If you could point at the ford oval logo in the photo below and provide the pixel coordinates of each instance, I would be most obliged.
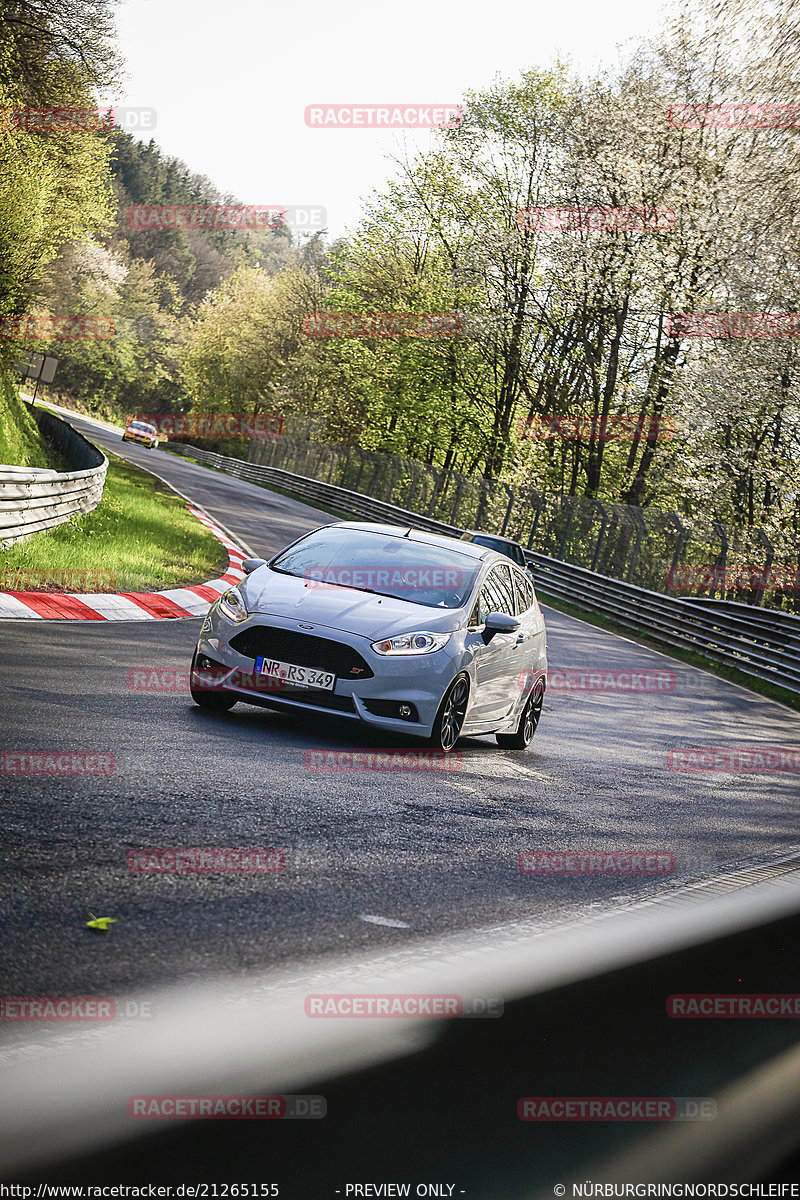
(301, 626)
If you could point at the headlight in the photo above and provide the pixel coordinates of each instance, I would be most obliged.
(232, 606)
(412, 643)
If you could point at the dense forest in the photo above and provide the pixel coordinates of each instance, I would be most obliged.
(572, 364)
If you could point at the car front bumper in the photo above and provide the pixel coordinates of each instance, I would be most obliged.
(140, 440)
(419, 680)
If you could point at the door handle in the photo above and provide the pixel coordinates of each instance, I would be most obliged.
(521, 638)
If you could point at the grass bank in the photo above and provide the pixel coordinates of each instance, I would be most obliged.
(141, 533)
(21, 444)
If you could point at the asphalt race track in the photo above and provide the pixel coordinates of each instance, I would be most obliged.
(434, 852)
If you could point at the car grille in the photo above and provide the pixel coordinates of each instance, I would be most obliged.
(301, 649)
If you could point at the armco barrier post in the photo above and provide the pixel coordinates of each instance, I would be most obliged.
(636, 513)
(722, 561)
(760, 593)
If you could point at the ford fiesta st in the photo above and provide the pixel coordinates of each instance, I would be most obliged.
(402, 630)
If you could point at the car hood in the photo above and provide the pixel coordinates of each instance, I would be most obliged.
(269, 593)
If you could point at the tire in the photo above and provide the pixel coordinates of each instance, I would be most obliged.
(522, 736)
(451, 714)
(216, 701)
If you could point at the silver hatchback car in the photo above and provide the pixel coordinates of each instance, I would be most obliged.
(402, 630)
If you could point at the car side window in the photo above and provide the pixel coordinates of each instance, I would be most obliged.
(524, 590)
(497, 593)
(489, 598)
(506, 589)
(484, 604)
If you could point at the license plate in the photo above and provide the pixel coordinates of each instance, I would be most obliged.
(294, 676)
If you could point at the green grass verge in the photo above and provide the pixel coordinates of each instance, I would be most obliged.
(690, 657)
(21, 444)
(141, 532)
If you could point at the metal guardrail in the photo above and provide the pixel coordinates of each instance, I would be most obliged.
(764, 643)
(34, 499)
(759, 642)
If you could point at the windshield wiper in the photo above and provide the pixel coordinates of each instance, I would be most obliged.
(372, 591)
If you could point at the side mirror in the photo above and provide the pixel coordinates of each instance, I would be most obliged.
(251, 564)
(497, 622)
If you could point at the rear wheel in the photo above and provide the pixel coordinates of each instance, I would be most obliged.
(522, 736)
(205, 695)
(451, 714)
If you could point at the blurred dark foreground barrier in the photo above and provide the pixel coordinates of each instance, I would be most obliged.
(588, 1016)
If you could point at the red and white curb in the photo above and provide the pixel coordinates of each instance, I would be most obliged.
(130, 606)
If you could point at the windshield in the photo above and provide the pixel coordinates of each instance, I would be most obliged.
(390, 566)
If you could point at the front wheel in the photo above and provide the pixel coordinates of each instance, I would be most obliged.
(451, 714)
(522, 736)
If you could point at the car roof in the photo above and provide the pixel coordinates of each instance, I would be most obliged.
(470, 549)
